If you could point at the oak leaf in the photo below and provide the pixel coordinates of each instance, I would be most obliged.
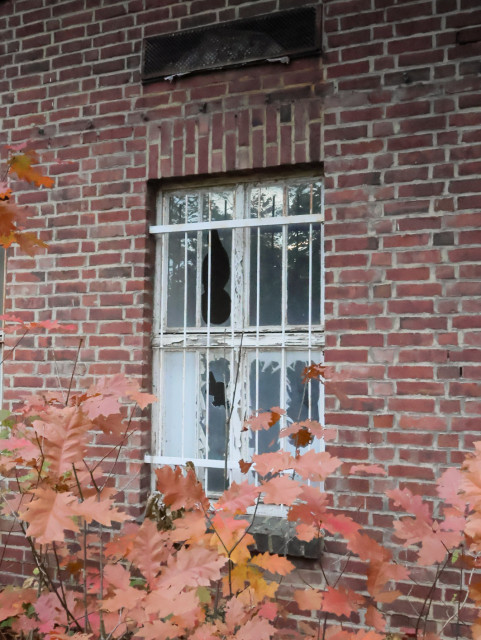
(316, 466)
(273, 563)
(49, 514)
(340, 601)
(150, 549)
(374, 618)
(266, 463)
(280, 490)
(265, 420)
(64, 434)
(22, 165)
(192, 567)
(12, 599)
(179, 490)
(255, 628)
(308, 599)
(238, 497)
(449, 486)
(101, 510)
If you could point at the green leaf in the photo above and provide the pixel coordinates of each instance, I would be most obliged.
(4, 414)
(137, 582)
(7, 622)
(455, 556)
(204, 595)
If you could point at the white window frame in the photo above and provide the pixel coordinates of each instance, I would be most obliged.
(255, 339)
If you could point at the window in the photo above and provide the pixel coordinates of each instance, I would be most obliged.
(238, 315)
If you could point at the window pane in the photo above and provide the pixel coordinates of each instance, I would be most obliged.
(216, 280)
(304, 199)
(183, 208)
(179, 404)
(264, 393)
(182, 270)
(266, 276)
(218, 206)
(266, 202)
(303, 274)
(302, 401)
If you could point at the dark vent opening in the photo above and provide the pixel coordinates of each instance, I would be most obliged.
(285, 34)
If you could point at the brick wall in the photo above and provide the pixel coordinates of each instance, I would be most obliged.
(394, 112)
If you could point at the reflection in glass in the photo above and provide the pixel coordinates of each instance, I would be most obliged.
(218, 206)
(303, 275)
(264, 393)
(177, 273)
(266, 276)
(267, 202)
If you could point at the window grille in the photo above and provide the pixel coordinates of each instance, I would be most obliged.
(239, 314)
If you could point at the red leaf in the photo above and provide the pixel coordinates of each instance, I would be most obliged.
(244, 466)
(273, 462)
(374, 618)
(238, 497)
(192, 567)
(265, 420)
(64, 432)
(281, 490)
(341, 602)
(150, 549)
(180, 490)
(449, 486)
(316, 466)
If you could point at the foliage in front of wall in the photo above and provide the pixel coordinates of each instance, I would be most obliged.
(100, 575)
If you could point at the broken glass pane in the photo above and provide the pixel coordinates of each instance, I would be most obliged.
(214, 426)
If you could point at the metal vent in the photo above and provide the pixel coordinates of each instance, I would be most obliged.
(285, 34)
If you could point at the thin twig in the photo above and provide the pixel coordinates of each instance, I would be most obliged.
(73, 370)
(12, 349)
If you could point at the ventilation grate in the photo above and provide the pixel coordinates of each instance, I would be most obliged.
(285, 34)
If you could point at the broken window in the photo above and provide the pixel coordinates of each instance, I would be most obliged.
(238, 302)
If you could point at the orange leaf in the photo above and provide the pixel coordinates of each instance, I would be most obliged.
(49, 514)
(308, 599)
(22, 166)
(374, 618)
(273, 563)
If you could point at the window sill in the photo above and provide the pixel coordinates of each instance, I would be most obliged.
(276, 535)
